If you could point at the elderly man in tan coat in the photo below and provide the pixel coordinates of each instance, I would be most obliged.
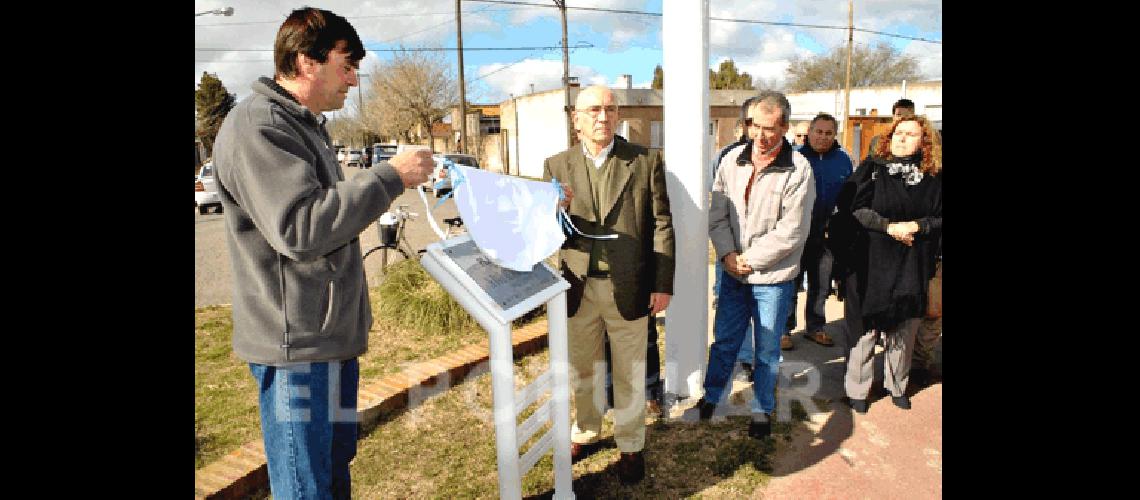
(615, 284)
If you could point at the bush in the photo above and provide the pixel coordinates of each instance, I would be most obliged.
(410, 298)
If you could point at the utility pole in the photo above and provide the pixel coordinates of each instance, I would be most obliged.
(847, 93)
(566, 74)
(360, 101)
(462, 83)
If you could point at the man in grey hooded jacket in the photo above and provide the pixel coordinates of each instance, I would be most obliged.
(301, 313)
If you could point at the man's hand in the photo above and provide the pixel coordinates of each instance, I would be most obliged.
(414, 166)
(735, 264)
(658, 302)
(569, 193)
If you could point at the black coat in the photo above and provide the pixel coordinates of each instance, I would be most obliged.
(891, 277)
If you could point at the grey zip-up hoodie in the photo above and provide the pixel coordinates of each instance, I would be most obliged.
(292, 230)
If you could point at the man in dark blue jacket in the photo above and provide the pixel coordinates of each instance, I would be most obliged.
(831, 166)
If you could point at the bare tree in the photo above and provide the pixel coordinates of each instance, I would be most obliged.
(344, 130)
(869, 66)
(413, 88)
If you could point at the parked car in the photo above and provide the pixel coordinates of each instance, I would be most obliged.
(206, 190)
(440, 172)
(352, 158)
(381, 152)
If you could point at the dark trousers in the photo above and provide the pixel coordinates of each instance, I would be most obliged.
(654, 386)
(817, 262)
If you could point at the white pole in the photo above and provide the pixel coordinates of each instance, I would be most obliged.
(560, 397)
(685, 44)
(503, 393)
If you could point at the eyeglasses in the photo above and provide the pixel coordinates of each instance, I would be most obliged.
(800, 135)
(597, 110)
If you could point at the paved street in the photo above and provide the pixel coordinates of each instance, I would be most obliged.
(212, 275)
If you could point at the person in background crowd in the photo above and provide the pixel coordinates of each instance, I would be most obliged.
(830, 166)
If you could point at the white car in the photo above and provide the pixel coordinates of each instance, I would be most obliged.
(206, 190)
(352, 158)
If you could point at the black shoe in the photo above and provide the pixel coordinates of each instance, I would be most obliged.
(706, 408)
(859, 405)
(631, 467)
(747, 369)
(919, 377)
(901, 402)
(760, 429)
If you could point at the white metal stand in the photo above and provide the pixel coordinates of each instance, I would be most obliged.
(493, 296)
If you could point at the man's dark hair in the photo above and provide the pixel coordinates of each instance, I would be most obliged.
(823, 116)
(903, 103)
(313, 32)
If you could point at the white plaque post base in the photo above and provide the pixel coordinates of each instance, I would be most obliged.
(495, 296)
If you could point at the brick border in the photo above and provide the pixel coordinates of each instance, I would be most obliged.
(243, 471)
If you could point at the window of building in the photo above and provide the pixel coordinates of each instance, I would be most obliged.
(656, 137)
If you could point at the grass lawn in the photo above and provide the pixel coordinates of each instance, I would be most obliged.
(444, 447)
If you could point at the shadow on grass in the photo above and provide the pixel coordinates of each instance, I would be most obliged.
(683, 459)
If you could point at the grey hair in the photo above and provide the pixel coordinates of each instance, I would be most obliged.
(772, 98)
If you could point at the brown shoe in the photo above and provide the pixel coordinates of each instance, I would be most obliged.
(652, 407)
(820, 337)
(631, 467)
(786, 343)
(580, 451)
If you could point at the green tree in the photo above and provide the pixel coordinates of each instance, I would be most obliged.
(658, 78)
(869, 66)
(211, 104)
(727, 77)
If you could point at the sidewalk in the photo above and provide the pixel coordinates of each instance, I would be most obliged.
(886, 453)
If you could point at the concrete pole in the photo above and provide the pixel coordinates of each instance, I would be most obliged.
(685, 44)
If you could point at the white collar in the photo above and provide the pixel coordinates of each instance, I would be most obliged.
(601, 158)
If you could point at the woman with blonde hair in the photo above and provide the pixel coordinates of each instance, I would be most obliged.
(885, 235)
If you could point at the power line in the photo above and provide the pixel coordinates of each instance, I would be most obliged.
(379, 16)
(579, 45)
(722, 19)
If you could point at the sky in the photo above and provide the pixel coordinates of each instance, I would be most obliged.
(604, 45)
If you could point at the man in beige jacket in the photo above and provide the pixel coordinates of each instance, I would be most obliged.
(762, 198)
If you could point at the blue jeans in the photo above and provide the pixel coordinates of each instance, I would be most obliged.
(767, 307)
(308, 425)
(745, 355)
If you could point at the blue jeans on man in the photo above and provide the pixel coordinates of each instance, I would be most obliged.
(745, 355)
(767, 308)
(309, 426)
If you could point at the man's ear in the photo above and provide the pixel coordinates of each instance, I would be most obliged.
(305, 65)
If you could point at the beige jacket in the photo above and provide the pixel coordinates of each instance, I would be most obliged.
(771, 230)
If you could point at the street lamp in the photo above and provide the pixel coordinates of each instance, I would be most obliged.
(228, 11)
